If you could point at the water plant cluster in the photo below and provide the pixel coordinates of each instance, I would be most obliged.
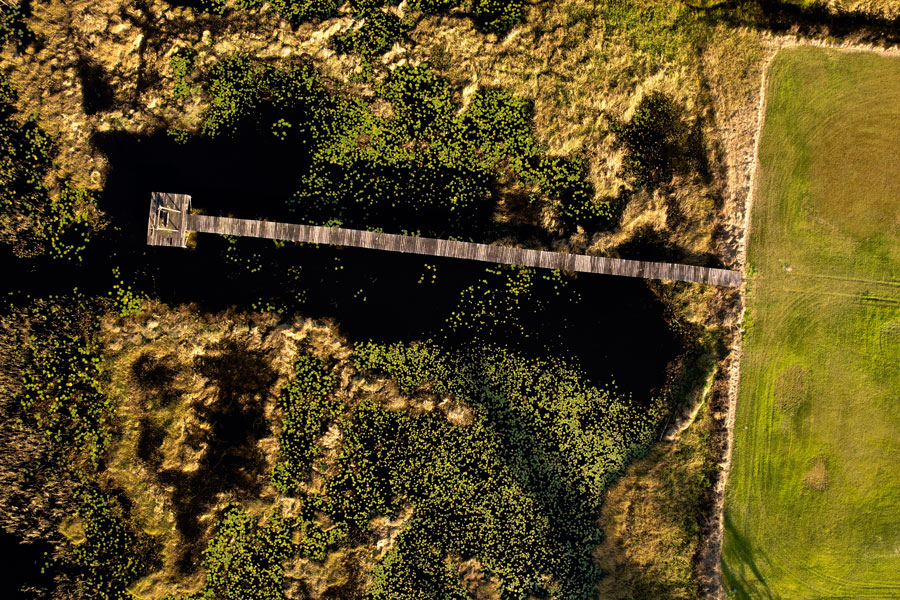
(410, 159)
(518, 487)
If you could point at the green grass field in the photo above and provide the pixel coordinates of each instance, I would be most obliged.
(813, 504)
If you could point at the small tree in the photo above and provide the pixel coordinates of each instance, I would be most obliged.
(649, 140)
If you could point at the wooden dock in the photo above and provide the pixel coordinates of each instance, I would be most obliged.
(453, 249)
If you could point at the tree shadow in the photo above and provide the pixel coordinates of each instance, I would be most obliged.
(231, 464)
(817, 20)
(733, 577)
(97, 93)
(649, 244)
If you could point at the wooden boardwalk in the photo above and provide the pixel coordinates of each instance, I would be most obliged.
(170, 220)
(466, 250)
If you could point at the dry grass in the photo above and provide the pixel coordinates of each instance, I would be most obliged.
(581, 62)
(585, 63)
(176, 376)
(817, 478)
(652, 518)
(880, 8)
(127, 48)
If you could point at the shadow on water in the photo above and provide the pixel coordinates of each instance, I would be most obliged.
(612, 326)
(23, 566)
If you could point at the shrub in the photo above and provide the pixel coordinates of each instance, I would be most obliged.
(425, 167)
(301, 11)
(181, 64)
(248, 95)
(32, 219)
(431, 7)
(649, 140)
(63, 226)
(379, 31)
(421, 102)
(12, 24)
(499, 125)
(244, 560)
(498, 16)
(518, 488)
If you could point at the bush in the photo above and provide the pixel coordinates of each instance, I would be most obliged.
(649, 140)
(379, 31)
(244, 560)
(181, 64)
(498, 16)
(425, 168)
(249, 96)
(301, 11)
(12, 24)
(33, 220)
(431, 7)
(421, 102)
(112, 555)
(499, 125)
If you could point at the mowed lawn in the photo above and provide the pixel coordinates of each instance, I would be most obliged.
(813, 502)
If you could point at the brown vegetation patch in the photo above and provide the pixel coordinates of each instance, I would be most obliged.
(889, 338)
(473, 578)
(197, 410)
(817, 478)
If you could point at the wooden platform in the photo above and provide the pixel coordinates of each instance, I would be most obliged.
(465, 250)
(168, 219)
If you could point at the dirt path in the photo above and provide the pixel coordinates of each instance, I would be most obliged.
(741, 157)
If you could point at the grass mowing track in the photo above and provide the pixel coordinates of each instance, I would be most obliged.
(813, 504)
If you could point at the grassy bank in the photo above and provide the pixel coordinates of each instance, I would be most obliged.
(812, 505)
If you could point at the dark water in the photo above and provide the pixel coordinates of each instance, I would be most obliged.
(21, 566)
(613, 327)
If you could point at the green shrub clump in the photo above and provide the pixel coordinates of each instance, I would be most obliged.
(13, 27)
(500, 125)
(306, 410)
(421, 166)
(113, 555)
(498, 16)
(649, 139)
(244, 560)
(301, 11)
(294, 11)
(379, 30)
(246, 94)
(181, 64)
